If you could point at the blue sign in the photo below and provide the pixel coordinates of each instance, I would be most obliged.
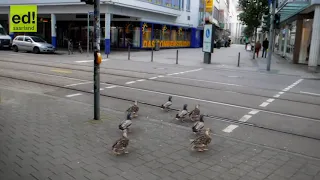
(207, 33)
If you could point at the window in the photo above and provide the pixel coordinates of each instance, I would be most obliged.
(37, 39)
(19, 38)
(188, 5)
(176, 4)
(27, 39)
(182, 5)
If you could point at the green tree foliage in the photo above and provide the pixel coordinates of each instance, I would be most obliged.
(253, 10)
(248, 31)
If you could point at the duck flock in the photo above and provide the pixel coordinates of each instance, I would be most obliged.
(200, 143)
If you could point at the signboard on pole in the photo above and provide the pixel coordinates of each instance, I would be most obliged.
(23, 18)
(209, 5)
(208, 41)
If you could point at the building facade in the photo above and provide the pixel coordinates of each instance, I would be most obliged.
(298, 40)
(134, 23)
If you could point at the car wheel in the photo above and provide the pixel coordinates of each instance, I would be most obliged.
(36, 50)
(15, 48)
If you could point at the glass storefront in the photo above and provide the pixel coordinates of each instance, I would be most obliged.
(166, 35)
(175, 4)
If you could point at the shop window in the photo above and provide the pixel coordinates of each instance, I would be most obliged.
(157, 31)
(187, 35)
(146, 35)
(166, 33)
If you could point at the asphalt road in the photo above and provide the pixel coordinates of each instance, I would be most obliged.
(276, 111)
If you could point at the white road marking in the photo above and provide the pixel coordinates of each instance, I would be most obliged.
(101, 89)
(76, 84)
(160, 76)
(73, 95)
(213, 82)
(85, 61)
(245, 118)
(276, 96)
(281, 92)
(230, 128)
(141, 80)
(153, 78)
(253, 112)
(185, 72)
(270, 100)
(233, 76)
(110, 87)
(315, 94)
(130, 82)
(264, 104)
(286, 89)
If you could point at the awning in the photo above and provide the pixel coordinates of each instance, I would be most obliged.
(289, 8)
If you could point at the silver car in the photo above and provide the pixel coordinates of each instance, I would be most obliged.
(31, 44)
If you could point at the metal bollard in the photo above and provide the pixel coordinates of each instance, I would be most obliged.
(239, 59)
(107, 55)
(152, 54)
(129, 52)
(177, 56)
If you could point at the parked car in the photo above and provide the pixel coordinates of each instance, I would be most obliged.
(5, 39)
(31, 44)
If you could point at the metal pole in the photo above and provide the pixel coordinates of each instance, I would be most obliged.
(271, 34)
(239, 59)
(177, 56)
(152, 54)
(88, 33)
(129, 52)
(96, 77)
(204, 12)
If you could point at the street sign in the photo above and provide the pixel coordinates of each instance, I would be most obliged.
(208, 33)
(23, 18)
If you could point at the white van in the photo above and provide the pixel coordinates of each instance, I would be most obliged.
(5, 39)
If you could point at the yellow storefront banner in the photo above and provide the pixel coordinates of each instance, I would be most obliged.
(23, 18)
(209, 5)
(149, 44)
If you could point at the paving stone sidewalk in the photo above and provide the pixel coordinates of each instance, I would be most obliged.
(43, 137)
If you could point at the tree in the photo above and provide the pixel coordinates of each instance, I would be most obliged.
(248, 31)
(253, 10)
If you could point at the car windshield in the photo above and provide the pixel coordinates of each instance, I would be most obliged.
(2, 31)
(37, 39)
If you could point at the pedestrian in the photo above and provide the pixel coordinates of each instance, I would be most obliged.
(70, 47)
(257, 47)
(265, 45)
(247, 42)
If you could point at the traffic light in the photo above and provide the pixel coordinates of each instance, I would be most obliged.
(276, 21)
(88, 1)
(266, 22)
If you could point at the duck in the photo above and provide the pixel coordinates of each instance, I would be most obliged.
(183, 113)
(195, 114)
(125, 124)
(167, 105)
(133, 109)
(120, 146)
(198, 126)
(201, 143)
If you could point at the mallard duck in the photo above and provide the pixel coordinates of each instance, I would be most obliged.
(133, 109)
(198, 126)
(195, 114)
(120, 146)
(183, 113)
(202, 141)
(125, 124)
(167, 105)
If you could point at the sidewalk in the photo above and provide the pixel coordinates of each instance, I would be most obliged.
(43, 137)
(223, 58)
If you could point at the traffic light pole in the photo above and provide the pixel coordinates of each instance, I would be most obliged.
(96, 76)
(271, 34)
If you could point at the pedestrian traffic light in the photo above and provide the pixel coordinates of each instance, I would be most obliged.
(88, 1)
(276, 21)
